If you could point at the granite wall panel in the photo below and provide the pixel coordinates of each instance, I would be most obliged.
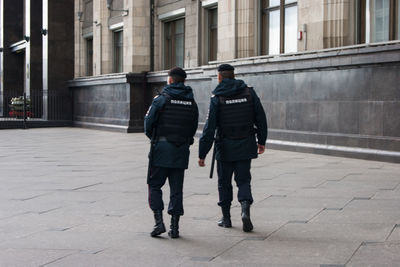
(391, 118)
(337, 101)
(382, 89)
(328, 117)
(371, 118)
(349, 117)
(351, 100)
(302, 116)
(355, 106)
(114, 102)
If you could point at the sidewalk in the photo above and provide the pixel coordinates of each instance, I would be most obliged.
(78, 197)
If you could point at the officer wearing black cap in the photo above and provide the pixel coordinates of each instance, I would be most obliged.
(238, 118)
(171, 123)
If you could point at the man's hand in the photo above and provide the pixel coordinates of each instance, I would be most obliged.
(202, 163)
(261, 149)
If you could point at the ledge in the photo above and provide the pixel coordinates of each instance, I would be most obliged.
(315, 54)
(328, 59)
(113, 78)
(339, 151)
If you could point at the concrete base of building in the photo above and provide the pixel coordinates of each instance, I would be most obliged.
(113, 102)
(19, 124)
(108, 127)
(339, 102)
(337, 151)
(368, 147)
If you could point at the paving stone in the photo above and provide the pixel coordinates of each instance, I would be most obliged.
(395, 235)
(315, 232)
(376, 254)
(387, 194)
(78, 197)
(31, 257)
(289, 252)
(285, 214)
(304, 202)
(336, 189)
(144, 251)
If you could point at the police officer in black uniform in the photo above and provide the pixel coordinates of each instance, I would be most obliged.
(171, 123)
(238, 118)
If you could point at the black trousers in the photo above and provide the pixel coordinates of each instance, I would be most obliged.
(225, 170)
(157, 179)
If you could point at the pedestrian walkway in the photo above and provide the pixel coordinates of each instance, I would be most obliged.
(78, 197)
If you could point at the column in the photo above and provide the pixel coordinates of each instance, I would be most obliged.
(45, 47)
(227, 29)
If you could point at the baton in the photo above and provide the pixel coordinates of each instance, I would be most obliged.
(212, 162)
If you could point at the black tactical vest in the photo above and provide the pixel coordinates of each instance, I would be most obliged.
(176, 120)
(236, 115)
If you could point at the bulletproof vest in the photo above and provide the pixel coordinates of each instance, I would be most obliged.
(236, 115)
(176, 120)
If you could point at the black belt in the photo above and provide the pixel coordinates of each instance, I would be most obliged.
(162, 138)
(165, 139)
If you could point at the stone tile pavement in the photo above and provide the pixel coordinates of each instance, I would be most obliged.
(78, 197)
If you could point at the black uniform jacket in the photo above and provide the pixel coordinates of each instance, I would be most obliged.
(233, 149)
(166, 154)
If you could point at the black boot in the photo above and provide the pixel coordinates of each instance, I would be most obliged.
(159, 228)
(174, 231)
(226, 217)
(247, 225)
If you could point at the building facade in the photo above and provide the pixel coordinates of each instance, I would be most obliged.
(36, 58)
(326, 71)
(153, 35)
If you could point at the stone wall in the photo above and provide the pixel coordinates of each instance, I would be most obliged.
(341, 101)
(111, 102)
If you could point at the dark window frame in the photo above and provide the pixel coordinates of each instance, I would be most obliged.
(89, 56)
(265, 24)
(169, 38)
(212, 29)
(118, 47)
(393, 19)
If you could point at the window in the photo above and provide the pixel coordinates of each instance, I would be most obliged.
(397, 15)
(379, 20)
(118, 51)
(174, 43)
(212, 34)
(89, 57)
(279, 26)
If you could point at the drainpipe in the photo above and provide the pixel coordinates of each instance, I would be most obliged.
(151, 35)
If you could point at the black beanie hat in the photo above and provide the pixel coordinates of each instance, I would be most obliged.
(225, 67)
(177, 72)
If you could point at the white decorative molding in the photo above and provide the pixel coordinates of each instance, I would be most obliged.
(88, 35)
(116, 26)
(172, 14)
(209, 3)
